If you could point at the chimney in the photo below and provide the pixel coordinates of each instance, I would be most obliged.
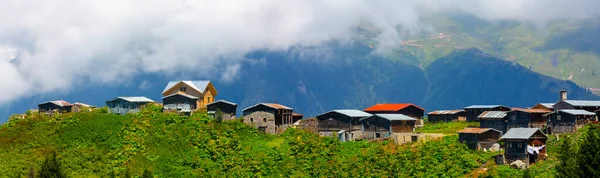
(563, 95)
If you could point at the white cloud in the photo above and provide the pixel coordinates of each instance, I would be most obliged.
(61, 42)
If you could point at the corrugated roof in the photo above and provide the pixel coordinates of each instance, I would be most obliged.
(539, 111)
(391, 107)
(350, 113)
(83, 105)
(583, 103)
(270, 105)
(136, 99)
(548, 105)
(577, 112)
(483, 106)
(520, 133)
(181, 94)
(477, 130)
(492, 115)
(440, 112)
(393, 117)
(223, 101)
(61, 103)
(198, 85)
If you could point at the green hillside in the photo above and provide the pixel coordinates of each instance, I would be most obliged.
(96, 144)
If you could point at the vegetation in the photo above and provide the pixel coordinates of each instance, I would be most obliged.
(446, 127)
(578, 154)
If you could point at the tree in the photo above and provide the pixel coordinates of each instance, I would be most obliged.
(147, 174)
(219, 115)
(568, 163)
(51, 167)
(588, 156)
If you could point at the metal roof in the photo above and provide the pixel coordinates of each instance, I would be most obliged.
(198, 85)
(477, 130)
(61, 103)
(483, 106)
(440, 112)
(393, 117)
(520, 133)
(350, 113)
(223, 101)
(182, 94)
(548, 105)
(577, 112)
(391, 107)
(539, 111)
(584, 103)
(135, 99)
(270, 105)
(492, 114)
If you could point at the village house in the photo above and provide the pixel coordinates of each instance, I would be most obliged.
(270, 118)
(124, 105)
(544, 106)
(180, 102)
(407, 109)
(474, 111)
(79, 107)
(201, 91)
(60, 106)
(598, 114)
(227, 109)
(527, 118)
(587, 105)
(494, 119)
(384, 125)
(479, 138)
(446, 116)
(344, 124)
(569, 120)
(525, 144)
(297, 117)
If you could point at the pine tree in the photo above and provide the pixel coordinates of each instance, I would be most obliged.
(51, 167)
(568, 163)
(588, 156)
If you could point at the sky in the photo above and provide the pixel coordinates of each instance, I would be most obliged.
(56, 45)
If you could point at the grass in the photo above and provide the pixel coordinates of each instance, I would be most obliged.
(446, 128)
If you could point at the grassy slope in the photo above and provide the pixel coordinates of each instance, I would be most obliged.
(446, 127)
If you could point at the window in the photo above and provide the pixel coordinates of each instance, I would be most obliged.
(182, 89)
(509, 145)
(264, 119)
(558, 117)
(262, 129)
(251, 119)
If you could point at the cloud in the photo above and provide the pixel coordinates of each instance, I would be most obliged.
(68, 42)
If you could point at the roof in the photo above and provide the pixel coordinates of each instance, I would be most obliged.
(223, 101)
(391, 107)
(520, 133)
(83, 105)
(393, 117)
(440, 112)
(135, 99)
(583, 103)
(61, 103)
(181, 94)
(297, 115)
(477, 130)
(198, 85)
(483, 106)
(350, 113)
(548, 105)
(492, 114)
(270, 105)
(577, 112)
(539, 111)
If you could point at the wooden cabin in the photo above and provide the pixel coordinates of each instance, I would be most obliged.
(202, 90)
(446, 116)
(407, 109)
(60, 106)
(479, 138)
(474, 111)
(525, 144)
(227, 109)
(384, 125)
(270, 118)
(344, 124)
(124, 105)
(569, 120)
(527, 118)
(180, 102)
(493, 119)
(544, 106)
(587, 105)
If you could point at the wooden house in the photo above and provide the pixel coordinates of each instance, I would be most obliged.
(227, 109)
(479, 138)
(587, 105)
(407, 109)
(297, 117)
(344, 124)
(124, 105)
(180, 102)
(446, 116)
(569, 120)
(60, 106)
(494, 119)
(525, 144)
(527, 118)
(598, 114)
(270, 118)
(384, 125)
(202, 90)
(544, 106)
(475, 110)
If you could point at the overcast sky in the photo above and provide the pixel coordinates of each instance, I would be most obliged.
(57, 43)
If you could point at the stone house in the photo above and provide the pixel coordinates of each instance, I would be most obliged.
(271, 118)
(343, 123)
(384, 125)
